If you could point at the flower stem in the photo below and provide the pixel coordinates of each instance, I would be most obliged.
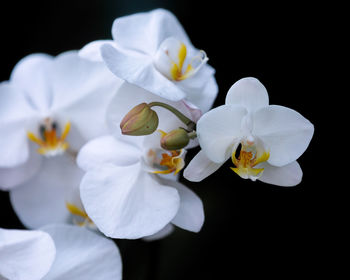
(192, 134)
(176, 112)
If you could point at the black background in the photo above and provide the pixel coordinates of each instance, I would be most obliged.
(250, 227)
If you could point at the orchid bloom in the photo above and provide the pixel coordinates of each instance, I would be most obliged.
(130, 188)
(57, 252)
(151, 50)
(264, 141)
(48, 111)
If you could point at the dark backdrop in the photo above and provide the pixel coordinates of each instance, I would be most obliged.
(250, 227)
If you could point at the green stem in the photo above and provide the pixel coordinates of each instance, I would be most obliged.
(176, 112)
(192, 134)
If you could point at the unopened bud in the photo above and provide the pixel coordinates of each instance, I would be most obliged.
(175, 139)
(141, 120)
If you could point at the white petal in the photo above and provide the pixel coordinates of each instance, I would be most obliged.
(249, 93)
(25, 255)
(73, 78)
(218, 130)
(126, 202)
(191, 214)
(138, 69)
(79, 85)
(200, 167)
(13, 145)
(92, 51)
(93, 84)
(107, 149)
(12, 177)
(42, 200)
(144, 32)
(83, 254)
(288, 175)
(30, 75)
(15, 113)
(208, 95)
(86, 117)
(128, 96)
(14, 105)
(284, 131)
(201, 89)
(164, 232)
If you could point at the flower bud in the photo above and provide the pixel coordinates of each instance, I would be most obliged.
(175, 139)
(141, 120)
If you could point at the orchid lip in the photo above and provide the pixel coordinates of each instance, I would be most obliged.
(250, 155)
(50, 143)
(168, 162)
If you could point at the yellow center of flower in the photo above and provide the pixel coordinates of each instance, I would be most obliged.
(247, 160)
(80, 214)
(176, 70)
(170, 60)
(50, 143)
(170, 162)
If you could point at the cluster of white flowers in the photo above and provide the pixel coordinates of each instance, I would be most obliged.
(92, 143)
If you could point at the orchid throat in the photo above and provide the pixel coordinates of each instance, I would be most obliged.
(170, 60)
(246, 157)
(50, 141)
(169, 162)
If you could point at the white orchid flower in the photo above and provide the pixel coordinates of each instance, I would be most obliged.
(263, 140)
(123, 191)
(152, 50)
(25, 254)
(58, 252)
(49, 108)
